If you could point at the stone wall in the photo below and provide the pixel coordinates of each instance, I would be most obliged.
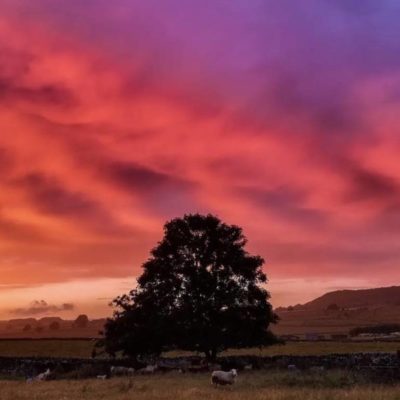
(83, 368)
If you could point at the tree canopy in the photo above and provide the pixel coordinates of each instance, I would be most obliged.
(81, 321)
(200, 290)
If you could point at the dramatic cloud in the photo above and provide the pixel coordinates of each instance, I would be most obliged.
(49, 196)
(370, 185)
(38, 307)
(277, 117)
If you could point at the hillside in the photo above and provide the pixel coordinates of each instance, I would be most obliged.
(387, 296)
(339, 311)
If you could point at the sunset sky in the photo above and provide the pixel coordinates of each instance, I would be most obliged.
(280, 116)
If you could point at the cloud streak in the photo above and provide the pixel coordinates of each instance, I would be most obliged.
(38, 307)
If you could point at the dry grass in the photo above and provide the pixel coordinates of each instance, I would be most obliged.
(254, 385)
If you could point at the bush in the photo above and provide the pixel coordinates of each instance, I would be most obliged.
(81, 322)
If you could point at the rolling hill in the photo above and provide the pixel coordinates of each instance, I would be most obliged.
(387, 296)
(339, 311)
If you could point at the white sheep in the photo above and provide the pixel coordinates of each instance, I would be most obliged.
(43, 376)
(149, 369)
(223, 377)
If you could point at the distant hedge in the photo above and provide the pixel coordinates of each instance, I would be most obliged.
(382, 328)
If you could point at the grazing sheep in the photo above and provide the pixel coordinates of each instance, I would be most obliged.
(43, 376)
(149, 369)
(223, 377)
(101, 377)
(170, 365)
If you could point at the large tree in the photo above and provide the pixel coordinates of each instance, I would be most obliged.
(200, 290)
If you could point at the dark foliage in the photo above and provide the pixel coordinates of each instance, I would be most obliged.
(81, 321)
(199, 291)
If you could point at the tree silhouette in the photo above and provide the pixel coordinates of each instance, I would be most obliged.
(81, 321)
(200, 291)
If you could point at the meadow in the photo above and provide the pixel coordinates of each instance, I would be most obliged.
(83, 348)
(263, 384)
(270, 385)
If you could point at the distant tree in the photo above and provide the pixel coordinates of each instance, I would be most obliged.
(54, 326)
(39, 329)
(27, 328)
(81, 321)
(290, 308)
(200, 291)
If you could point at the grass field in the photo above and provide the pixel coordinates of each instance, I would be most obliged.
(267, 384)
(46, 348)
(252, 385)
(83, 348)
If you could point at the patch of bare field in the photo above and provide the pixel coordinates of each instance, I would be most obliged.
(252, 385)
